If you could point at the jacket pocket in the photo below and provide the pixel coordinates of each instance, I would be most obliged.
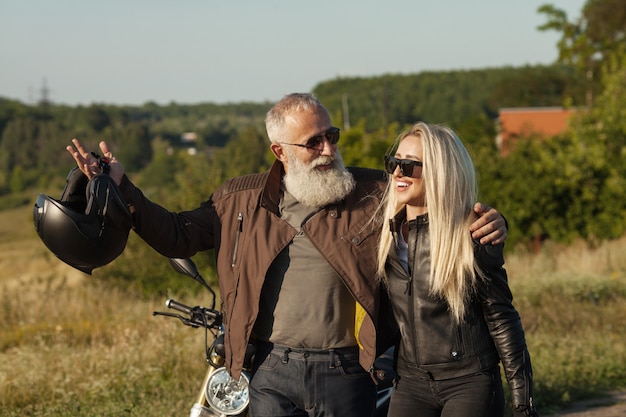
(238, 231)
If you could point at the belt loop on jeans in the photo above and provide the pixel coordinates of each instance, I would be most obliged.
(334, 359)
(286, 355)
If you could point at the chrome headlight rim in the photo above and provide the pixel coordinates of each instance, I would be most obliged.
(226, 395)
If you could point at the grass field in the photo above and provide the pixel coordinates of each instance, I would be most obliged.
(72, 346)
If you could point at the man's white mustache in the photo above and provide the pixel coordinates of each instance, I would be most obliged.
(322, 160)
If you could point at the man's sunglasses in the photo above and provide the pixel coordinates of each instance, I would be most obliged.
(406, 165)
(316, 143)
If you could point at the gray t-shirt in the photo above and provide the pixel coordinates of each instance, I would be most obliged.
(304, 303)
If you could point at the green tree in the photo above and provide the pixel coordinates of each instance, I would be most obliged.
(586, 43)
(536, 87)
(605, 26)
(362, 149)
(196, 181)
(133, 146)
(17, 181)
(244, 154)
(97, 118)
(19, 144)
(9, 110)
(603, 127)
(37, 147)
(558, 189)
(160, 173)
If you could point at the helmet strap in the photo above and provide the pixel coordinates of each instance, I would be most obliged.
(103, 162)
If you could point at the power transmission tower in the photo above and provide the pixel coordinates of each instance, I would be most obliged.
(44, 101)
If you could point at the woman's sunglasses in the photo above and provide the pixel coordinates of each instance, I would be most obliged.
(406, 165)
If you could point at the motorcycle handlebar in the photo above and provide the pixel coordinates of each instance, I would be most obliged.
(175, 305)
(198, 316)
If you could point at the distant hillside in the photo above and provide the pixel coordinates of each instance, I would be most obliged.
(445, 97)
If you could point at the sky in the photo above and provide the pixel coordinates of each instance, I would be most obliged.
(129, 52)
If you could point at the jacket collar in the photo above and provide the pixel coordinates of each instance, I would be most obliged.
(271, 191)
(400, 217)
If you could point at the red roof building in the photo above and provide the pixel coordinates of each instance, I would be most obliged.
(530, 121)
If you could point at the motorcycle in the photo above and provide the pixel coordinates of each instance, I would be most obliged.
(221, 395)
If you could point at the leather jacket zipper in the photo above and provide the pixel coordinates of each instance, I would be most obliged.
(411, 252)
(238, 233)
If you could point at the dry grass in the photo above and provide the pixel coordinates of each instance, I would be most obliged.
(24, 260)
(71, 346)
(607, 259)
(573, 302)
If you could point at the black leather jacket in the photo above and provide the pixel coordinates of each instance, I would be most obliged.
(433, 344)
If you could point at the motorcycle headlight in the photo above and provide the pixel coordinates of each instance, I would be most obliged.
(226, 395)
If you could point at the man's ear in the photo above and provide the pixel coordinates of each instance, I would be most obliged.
(278, 152)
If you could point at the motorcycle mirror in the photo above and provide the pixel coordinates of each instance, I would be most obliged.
(187, 267)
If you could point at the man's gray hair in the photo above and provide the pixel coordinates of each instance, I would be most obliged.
(291, 103)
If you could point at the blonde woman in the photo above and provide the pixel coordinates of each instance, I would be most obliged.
(449, 293)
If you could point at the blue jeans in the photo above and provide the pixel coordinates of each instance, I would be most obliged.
(476, 395)
(300, 382)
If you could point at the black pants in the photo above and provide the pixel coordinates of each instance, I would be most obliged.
(476, 395)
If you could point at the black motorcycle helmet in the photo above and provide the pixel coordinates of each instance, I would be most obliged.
(88, 227)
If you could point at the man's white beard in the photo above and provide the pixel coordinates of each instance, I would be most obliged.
(316, 188)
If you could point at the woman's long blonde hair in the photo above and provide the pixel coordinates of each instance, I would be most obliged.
(450, 182)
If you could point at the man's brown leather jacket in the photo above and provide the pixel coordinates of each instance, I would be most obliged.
(240, 221)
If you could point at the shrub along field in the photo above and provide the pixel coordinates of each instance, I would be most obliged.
(72, 345)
